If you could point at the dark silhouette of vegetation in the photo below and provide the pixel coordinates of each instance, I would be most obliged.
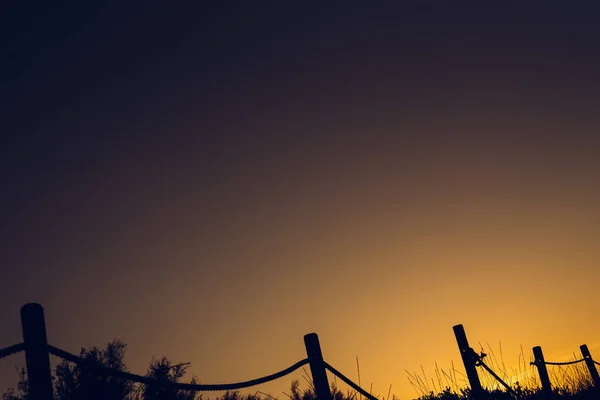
(74, 382)
(588, 393)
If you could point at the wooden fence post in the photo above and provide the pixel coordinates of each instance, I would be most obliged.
(36, 352)
(590, 364)
(467, 356)
(543, 371)
(317, 367)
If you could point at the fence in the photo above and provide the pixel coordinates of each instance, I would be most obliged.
(37, 360)
(472, 360)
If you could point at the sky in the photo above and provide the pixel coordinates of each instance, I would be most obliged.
(211, 182)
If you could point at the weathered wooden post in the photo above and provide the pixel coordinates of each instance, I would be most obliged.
(467, 353)
(590, 364)
(36, 352)
(317, 367)
(540, 363)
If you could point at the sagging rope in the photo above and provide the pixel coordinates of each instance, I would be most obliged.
(558, 363)
(10, 350)
(479, 362)
(349, 382)
(102, 370)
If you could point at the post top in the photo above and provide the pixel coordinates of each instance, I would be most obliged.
(32, 307)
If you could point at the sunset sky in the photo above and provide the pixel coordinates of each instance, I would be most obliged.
(211, 183)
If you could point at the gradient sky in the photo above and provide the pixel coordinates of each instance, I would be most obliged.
(211, 183)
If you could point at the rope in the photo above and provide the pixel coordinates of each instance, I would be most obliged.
(559, 363)
(101, 370)
(10, 350)
(479, 362)
(596, 362)
(349, 382)
(508, 388)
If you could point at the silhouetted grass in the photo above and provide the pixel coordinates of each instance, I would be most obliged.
(72, 383)
(568, 381)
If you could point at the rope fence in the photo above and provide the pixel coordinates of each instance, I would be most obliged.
(37, 351)
(472, 360)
